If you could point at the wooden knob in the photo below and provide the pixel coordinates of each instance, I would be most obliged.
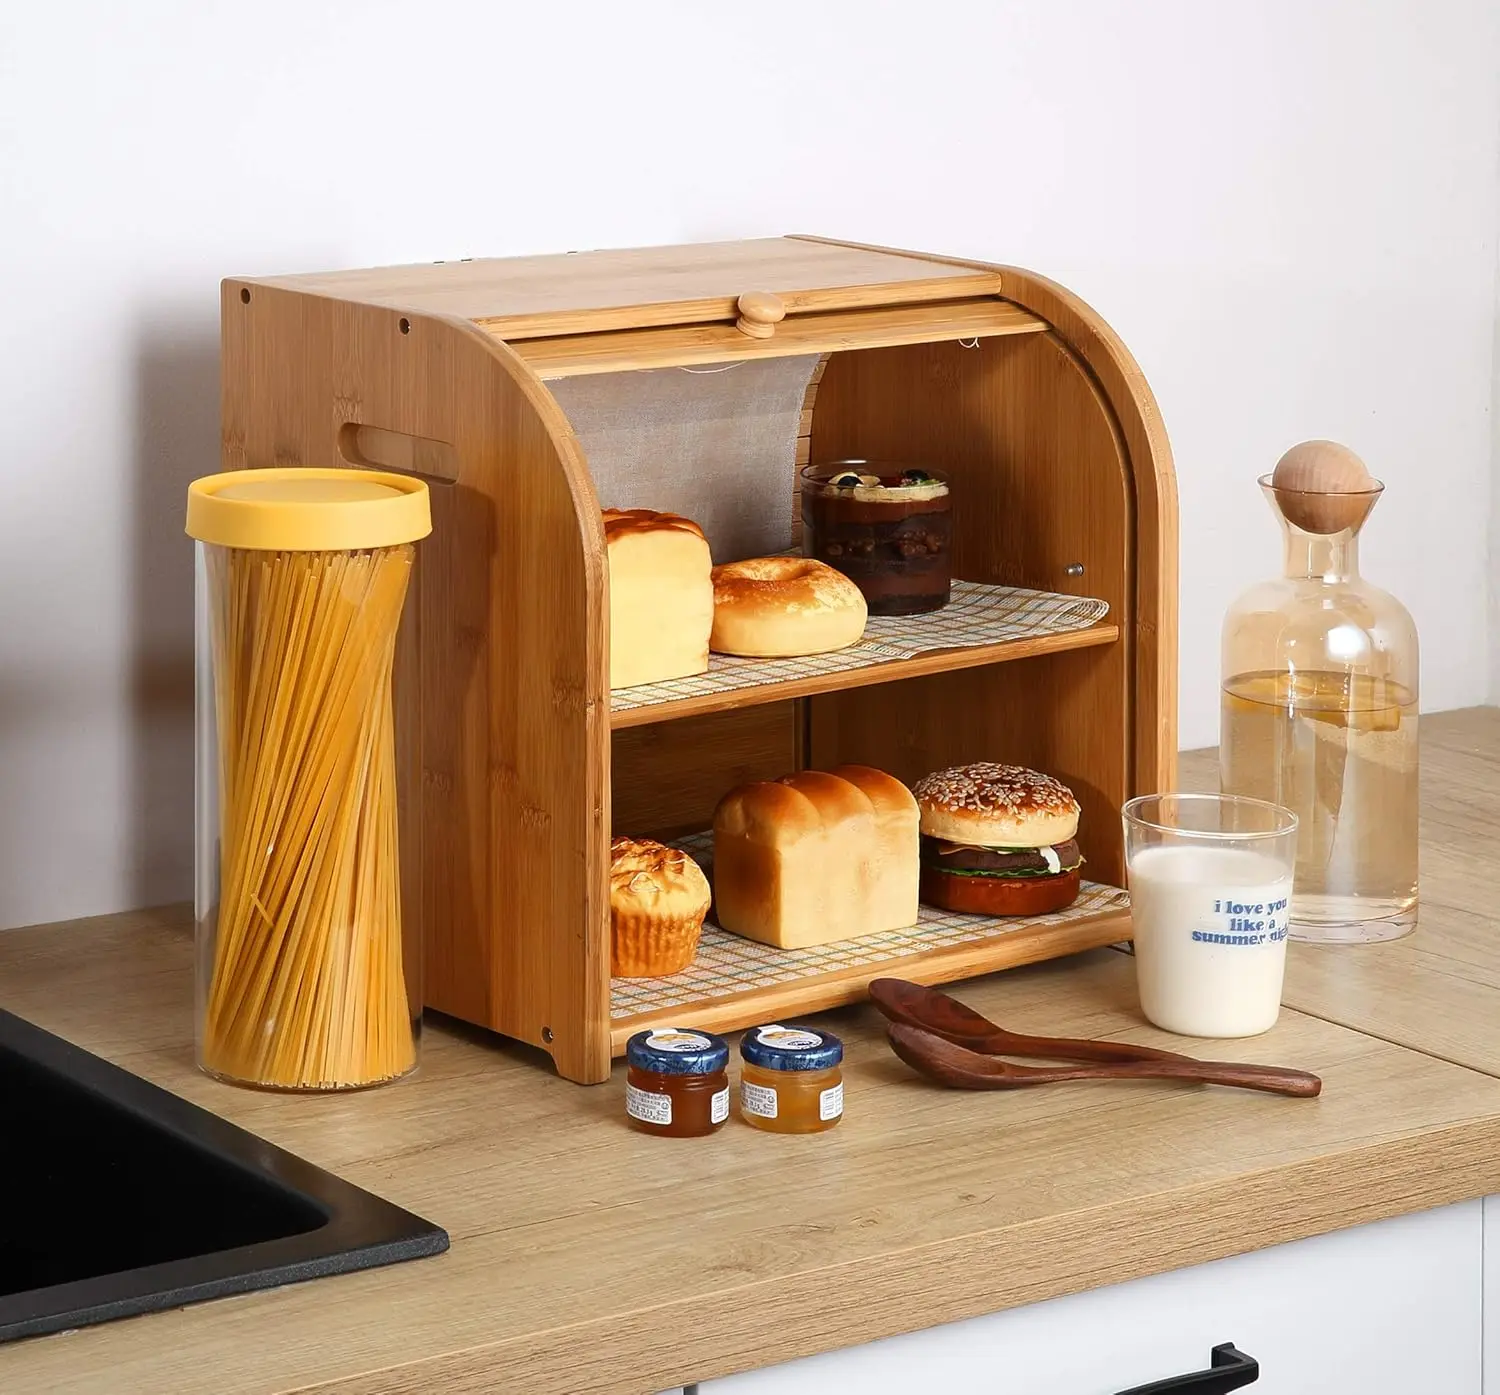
(1323, 487)
(760, 313)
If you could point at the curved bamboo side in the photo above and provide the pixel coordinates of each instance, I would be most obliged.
(1138, 420)
(502, 680)
(1044, 500)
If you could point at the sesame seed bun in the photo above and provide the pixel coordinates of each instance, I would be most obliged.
(996, 806)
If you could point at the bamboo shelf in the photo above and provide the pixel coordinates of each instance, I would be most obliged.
(1059, 652)
(734, 979)
(980, 625)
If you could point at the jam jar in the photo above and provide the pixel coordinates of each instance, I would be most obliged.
(887, 527)
(677, 1082)
(792, 1079)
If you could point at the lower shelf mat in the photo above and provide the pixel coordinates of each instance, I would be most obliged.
(728, 965)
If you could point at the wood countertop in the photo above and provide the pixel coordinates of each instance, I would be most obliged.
(588, 1258)
(1438, 990)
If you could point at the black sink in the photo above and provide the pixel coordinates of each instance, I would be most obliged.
(121, 1198)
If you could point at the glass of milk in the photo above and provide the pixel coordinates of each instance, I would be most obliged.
(1210, 880)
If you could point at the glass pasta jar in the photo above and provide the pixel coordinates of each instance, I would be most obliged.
(308, 973)
(677, 1082)
(792, 1079)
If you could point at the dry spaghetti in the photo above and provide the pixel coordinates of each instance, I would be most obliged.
(306, 985)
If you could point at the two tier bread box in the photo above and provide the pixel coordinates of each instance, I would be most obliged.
(531, 391)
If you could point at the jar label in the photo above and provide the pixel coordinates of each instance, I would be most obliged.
(718, 1107)
(648, 1106)
(831, 1102)
(788, 1038)
(675, 1039)
(759, 1100)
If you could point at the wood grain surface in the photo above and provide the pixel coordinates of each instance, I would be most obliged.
(520, 297)
(923, 1207)
(1437, 990)
(1042, 487)
(668, 779)
(502, 670)
(1143, 435)
(631, 349)
(847, 679)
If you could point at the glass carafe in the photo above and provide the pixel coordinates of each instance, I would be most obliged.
(1318, 712)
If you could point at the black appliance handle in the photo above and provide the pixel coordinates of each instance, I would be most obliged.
(1230, 1370)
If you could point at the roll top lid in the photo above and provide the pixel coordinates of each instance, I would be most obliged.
(293, 509)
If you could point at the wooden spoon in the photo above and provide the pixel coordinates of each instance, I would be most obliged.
(962, 1069)
(934, 1011)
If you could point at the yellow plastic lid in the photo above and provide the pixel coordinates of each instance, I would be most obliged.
(308, 510)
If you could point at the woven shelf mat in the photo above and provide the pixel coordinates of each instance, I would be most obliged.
(976, 615)
(728, 964)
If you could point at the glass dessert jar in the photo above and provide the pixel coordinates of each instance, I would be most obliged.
(677, 1082)
(1318, 706)
(886, 527)
(308, 974)
(792, 1079)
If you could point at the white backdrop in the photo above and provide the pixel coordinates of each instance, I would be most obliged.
(1288, 210)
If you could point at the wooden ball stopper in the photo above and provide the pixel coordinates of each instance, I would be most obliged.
(1323, 487)
(760, 313)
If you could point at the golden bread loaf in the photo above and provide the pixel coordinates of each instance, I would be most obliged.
(816, 857)
(661, 596)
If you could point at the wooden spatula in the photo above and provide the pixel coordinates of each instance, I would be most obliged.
(934, 1011)
(962, 1069)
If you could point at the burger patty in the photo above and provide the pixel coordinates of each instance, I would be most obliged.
(998, 861)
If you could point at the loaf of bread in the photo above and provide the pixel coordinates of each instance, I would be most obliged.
(661, 597)
(816, 857)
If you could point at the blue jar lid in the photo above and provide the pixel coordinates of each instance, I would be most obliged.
(775, 1047)
(677, 1051)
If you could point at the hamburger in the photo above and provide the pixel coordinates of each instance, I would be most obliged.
(998, 840)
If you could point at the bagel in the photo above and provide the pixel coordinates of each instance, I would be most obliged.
(778, 607)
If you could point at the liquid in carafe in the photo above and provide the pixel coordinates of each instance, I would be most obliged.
(1340, 751)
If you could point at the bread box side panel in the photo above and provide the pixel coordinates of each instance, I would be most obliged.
(1042, 498)
(508, 700)
(1103, 355)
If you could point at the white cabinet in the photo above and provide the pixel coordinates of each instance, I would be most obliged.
(1492, 1295)
(1392, 1308)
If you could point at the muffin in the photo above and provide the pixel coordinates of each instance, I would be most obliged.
(658, 897)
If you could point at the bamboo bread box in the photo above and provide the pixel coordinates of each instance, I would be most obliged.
(531, 392)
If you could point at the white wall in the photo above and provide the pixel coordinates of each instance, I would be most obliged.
(1494, 538)
(1288, 210)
